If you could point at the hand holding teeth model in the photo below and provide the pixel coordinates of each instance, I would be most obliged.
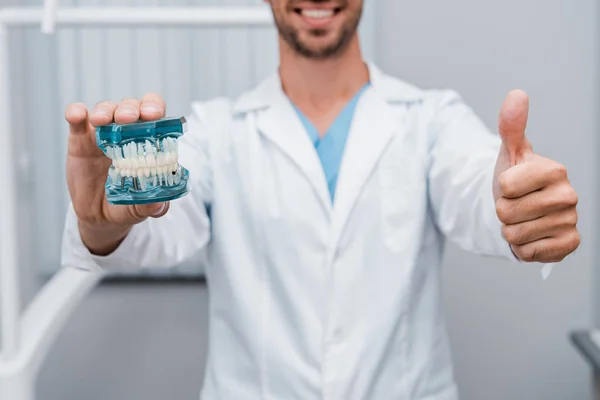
(145, 166)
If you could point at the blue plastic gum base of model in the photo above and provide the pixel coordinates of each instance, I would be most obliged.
(145, 161)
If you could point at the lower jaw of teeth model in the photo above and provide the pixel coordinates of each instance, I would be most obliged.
(145, 161)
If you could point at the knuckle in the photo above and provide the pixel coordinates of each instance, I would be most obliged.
(574, 241)
(534, 253)
(527, 256)
(558, 171)
(502, 211)
(508, 233)
(567, 246)
(513, 234)
(572, 218)
(506, 185)
(518, 251)
(571, 197)
(524, 253)
(566, 196)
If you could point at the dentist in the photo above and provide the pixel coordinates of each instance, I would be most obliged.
(323, 199)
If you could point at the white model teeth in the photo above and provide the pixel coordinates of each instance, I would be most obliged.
(317, 14)
(143, 183)
(151, 164)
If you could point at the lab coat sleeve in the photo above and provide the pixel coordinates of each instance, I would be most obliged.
(184, 230)
(462, 158)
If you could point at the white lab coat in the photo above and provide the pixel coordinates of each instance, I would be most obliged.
(310, 300)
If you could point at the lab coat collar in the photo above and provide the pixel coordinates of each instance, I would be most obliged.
(375, 124)
(270, 91)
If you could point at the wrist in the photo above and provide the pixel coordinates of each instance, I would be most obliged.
(102, 240)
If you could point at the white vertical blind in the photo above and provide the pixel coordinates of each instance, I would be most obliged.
(93, 64)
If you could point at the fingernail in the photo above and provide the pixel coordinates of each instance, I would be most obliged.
(101, 112)
(160, 210)
(130, 110)
(151, 108)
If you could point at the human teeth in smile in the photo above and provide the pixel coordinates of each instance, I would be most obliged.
(317, 13)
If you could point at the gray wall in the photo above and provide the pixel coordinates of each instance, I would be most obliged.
(131, 341)
(509, 328)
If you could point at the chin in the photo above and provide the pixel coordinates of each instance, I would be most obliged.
(318, 44)
(318, 48)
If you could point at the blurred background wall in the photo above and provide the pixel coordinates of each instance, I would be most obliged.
(509, 329)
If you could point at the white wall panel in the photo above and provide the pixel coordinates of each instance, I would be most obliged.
(43, 154)
(119, 60)
(205, 48)
(22, 113)
(92, 76)
(178, 62)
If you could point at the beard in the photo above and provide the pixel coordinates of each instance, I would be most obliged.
(337, 46)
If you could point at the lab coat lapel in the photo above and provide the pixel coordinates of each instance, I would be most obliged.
(374, 125)
(282, 126)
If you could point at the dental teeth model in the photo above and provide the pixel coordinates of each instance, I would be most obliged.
(145, 161)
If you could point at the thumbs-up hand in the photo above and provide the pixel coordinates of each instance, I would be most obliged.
(534, 200)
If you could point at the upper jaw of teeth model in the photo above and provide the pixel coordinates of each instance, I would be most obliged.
(145, 161)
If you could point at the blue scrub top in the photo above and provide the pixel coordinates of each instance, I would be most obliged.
(330, 147)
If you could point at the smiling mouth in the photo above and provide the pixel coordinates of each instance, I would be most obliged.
(317, 13)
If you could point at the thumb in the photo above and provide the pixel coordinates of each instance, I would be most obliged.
(512, 125)
(154, 210)
(140, 212)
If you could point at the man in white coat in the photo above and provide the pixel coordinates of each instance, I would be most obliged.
(323, 198)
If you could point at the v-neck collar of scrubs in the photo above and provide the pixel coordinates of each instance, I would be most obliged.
(330, 147)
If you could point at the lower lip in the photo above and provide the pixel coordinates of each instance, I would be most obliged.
(317, 22)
